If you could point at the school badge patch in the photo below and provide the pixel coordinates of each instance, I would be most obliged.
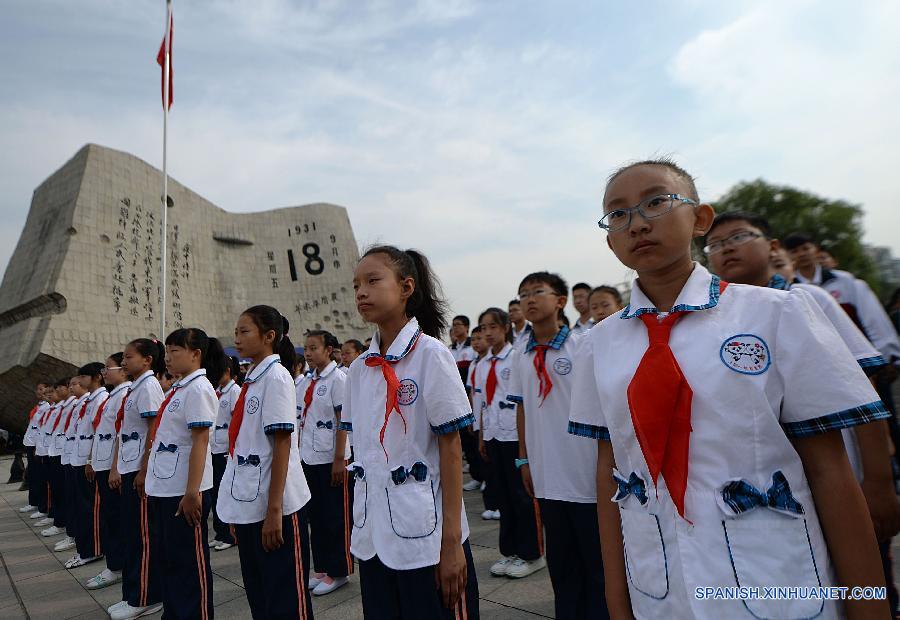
(408, 392)
(562, 366)
(174, 405)
(746, 354)
(253, 405)
(505, 373)
(322, 389)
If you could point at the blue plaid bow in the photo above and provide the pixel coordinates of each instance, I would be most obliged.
(105, 437)
(252, 459)
(633, 486)
(419, 472)
(134, 436)
(85, 437)
(505, 405)
(741, 496)
(164, 448)
(70, 438)
(357, 470)
(329, 424)
(218, 428)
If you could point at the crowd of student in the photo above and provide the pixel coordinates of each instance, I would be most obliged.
(681, 442)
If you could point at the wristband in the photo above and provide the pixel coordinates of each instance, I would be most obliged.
(520, 462)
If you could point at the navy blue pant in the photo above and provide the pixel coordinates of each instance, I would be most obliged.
(574, 560)
(36, 485)
(140, 573)
(389, 594)
(58, 509)
(521, 533)
(70, 489)
(110, 522)
(329, 512)
(276, 581)
(182, 555)
(222, 529)
(87, 523)
(45, 494)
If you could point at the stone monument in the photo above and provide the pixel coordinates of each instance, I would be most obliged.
(84, 278)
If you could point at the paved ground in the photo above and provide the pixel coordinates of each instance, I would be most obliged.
(34, 584)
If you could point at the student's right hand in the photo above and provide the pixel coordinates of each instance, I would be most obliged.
(526, 480)
(89, 472)
(139, 481)
(272, 536)
(482, 449)
(115, 480)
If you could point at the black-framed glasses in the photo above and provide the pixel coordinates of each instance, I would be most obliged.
(739, 238)
(525, 295)
(649, 208)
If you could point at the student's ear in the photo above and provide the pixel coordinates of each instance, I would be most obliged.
(774, 246)
(704, 215)
(561, 301)
(407, 288)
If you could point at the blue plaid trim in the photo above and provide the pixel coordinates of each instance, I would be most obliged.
(515, 399)
(778, 282)
(199, 424)
(835, 421)
(714, 295)
(148, 414)
(588, 430)
(742, 496)
(872, 365)
(555, 343)
(281, 426)
(478, 390)
(454, 425)
(346, 426)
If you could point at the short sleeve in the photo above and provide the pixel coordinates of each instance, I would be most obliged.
(279, 405)
(586, 417)
(299, 392)
(446, 404)
(346, 408)
(833, 392)
(150, 398)
(515, 386)
(201, 407)
(338, 386)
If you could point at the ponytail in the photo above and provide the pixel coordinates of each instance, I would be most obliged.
(427, 303)
(153, 349)
(268, 319)
(211, 352)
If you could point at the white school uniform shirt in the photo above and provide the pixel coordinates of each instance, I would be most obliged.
(862, 350)
(270, 405)
(84, 427)
(58, 434)
(471, 377)
(520, 338)
(33, 434)
(141, 405)
(764, 366)
(193, 404)
(218, 438)
(397, 504)
(105, 434)
(563, 466)
(319, 425)
(69, 423)
(580, 328)
(44, 436)
(498, 419)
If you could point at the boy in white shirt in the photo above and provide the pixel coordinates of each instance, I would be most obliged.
(581, 294)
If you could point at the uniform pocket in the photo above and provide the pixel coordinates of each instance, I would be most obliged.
(59, 442)
(773, 550)
(645, 553)
(69, 446)
(323, 439)
(131, 449)
(84, 446)
(220, 436)
(104, 449)
(507, 418)
(245, 484)
(412, 508)
(360, 495)
(165, 463)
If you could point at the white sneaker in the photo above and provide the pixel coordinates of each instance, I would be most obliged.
(502, 565)
(127, 612)
(487, 515)
(472, 485)
(77, 561)
(522, 568)
(115, 606)
(28, 508)
(105, 578)
(483, 486)
(43, 522)
(222, 546)
(315, 579)
(465, 468)
(327, 588)
(64, 545)
(52, 531)
(495, 515)
(37, 515)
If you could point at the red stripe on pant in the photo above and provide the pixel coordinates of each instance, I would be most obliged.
(298, 568)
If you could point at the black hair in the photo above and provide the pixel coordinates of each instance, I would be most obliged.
(91, 370)
(231, 364)
(827, 249)
(117, 357)
(610, 290)
(328, 339)
(501, 316)
(757, 221)
(356, 344)
(211, 351)
(512, 302)
(665, 162)
(476, 330)
(555, 282)
(268, 319)
(427, 303)
(64, 382)
(581, 286)
(462, 318)
(153, 349)
(795, 240)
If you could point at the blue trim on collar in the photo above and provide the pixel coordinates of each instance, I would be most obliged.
(122, 386)
(180, 385)
(714, 295)
(265, 370)
(778, 282)
(137, 383)
(397, 358)
(555, 343)
(497, 357)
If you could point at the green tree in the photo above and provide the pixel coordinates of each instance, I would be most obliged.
(836, 224)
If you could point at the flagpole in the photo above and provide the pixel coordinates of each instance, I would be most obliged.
(165, 194)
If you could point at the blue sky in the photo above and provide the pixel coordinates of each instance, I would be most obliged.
(480, 132)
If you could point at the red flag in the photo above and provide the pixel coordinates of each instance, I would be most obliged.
(161, 60)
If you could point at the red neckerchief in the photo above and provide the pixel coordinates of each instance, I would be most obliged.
(237, 417)
(490, 385)
(540, 366)
(159, 414)
(392, 389)
(99, 414)
(120, 414)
